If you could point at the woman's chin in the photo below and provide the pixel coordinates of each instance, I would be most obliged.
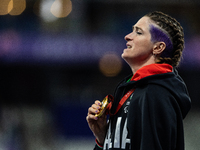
(124, 54)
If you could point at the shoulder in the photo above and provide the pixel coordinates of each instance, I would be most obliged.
(154, 95)
(153, 90)
(157, 90)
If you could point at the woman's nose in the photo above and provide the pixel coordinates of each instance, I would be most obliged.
(128, 37)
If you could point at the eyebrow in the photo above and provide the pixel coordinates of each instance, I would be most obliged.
(137, 28)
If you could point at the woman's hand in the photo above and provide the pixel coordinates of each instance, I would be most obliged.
(98, 125)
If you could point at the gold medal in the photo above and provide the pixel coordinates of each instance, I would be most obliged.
(104, 105)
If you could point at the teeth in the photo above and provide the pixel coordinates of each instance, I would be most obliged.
(129, 46)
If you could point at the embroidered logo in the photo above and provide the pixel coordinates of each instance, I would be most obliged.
(126, 109)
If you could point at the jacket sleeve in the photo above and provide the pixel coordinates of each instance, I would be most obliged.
(155, 116)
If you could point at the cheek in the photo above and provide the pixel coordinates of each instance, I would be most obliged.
(145, 45)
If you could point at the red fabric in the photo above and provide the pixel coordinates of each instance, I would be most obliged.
(151, 69)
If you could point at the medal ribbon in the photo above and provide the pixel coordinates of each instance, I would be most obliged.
(122, 101)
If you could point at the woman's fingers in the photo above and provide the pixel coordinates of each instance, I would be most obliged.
(94, 109)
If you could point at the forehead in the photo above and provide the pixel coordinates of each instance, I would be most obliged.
(143, 23)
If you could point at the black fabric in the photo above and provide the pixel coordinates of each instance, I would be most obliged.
(155, 113)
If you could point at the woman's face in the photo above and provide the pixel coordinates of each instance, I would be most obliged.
(139, 45)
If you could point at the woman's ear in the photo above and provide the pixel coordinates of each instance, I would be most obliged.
(158, 48)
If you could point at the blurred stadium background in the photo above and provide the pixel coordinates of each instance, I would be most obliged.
(58, 56)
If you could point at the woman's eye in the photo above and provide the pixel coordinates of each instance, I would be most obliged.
(138, 32)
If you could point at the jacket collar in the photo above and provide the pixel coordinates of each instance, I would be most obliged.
(151, 69)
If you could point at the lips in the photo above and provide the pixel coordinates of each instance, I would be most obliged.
(128, 46)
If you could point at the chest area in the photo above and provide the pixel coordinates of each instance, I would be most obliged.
(118, 135)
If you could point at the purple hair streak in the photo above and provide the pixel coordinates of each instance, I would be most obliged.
(157, 35)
